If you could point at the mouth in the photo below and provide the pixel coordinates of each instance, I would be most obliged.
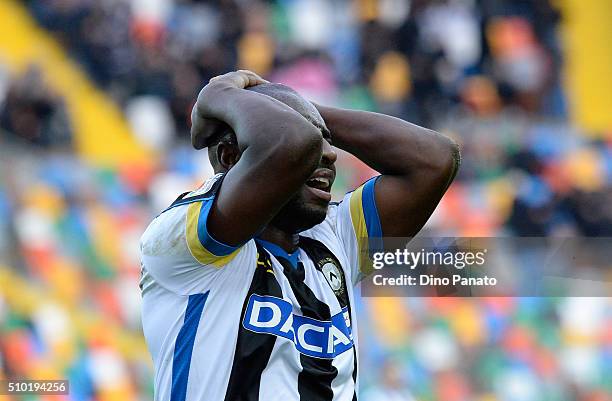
(320, 183)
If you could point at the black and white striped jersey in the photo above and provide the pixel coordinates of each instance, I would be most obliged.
(253, 322)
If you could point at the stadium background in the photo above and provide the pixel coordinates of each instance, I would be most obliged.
(94, 105)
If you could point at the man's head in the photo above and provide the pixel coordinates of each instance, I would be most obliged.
(305, 209)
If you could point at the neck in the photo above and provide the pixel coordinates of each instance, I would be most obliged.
(287, 241)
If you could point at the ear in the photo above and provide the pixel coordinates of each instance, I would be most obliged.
(228, 155)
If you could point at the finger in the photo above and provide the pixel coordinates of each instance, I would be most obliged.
(240, 79)
(197, 124)
(197, 121)
(234, 78)
(254, 79)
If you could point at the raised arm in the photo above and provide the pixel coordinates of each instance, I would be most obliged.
(277, 150)
(417, 164)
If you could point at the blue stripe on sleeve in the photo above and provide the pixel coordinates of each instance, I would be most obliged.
(369, 209)
(212, 245)
(183, 346)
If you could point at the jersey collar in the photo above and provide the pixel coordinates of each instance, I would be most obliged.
(280, 252)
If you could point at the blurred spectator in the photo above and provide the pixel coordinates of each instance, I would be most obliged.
(33, 113)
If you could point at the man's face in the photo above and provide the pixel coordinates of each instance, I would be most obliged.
(309, 205)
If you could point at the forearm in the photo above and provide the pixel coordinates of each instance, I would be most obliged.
(256, 119)
(390, 145)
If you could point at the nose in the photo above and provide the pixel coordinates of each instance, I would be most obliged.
(329, 155)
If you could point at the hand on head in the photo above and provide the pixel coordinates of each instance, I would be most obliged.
(203, 128)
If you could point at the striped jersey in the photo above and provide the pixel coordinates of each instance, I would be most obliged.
(254, 322)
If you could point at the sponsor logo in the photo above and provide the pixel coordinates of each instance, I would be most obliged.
(320, 339)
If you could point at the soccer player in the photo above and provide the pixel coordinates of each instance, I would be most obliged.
(247, 282)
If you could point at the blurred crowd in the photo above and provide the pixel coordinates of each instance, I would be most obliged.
(415, 59)
(494, 349)
(485, 72)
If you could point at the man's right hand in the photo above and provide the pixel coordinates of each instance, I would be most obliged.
(206, 115)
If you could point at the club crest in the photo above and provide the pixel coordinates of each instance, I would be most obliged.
(333, 275)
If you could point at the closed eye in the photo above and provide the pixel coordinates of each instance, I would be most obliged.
(324, 131)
